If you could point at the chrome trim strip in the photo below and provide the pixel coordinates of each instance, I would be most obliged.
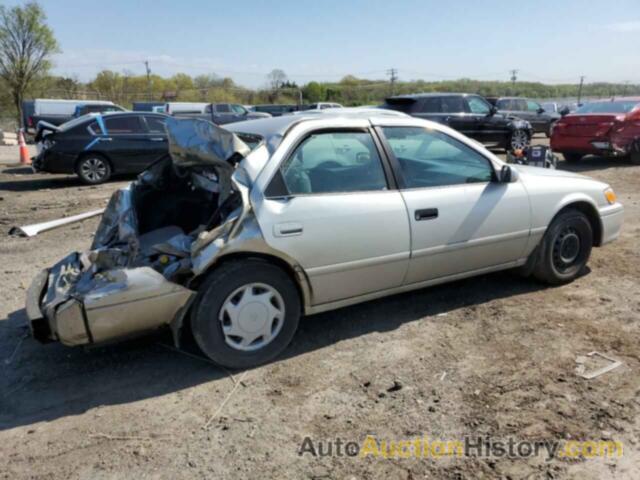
(356, 264)
(470, 244)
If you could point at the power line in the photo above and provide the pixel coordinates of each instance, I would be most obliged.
(393, 77)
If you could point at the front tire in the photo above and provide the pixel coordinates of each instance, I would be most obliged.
(246, 313)
(93, 169)
(565, 248)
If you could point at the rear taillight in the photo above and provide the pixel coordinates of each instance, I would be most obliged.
(30, 121)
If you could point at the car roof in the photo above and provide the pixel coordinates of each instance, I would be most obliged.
(413, 96)
(267, 127)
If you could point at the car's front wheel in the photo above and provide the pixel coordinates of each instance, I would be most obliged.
(246, 313)
(565, 248)
(519, 139)
(93, 169)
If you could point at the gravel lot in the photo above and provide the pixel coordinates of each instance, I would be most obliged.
(489, 356)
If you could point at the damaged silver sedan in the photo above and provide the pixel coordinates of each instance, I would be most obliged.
(240, 231)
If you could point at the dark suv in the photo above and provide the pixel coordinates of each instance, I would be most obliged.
(470, 114)
(529, 110)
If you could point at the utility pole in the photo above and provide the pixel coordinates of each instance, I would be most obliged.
(393, 77)
(580, 89)
(146, 66)
(514, 76)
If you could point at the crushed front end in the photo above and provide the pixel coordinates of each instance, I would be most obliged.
(137, 275)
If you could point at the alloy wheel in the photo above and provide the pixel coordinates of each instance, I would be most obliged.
(94, 169)
(519, 140)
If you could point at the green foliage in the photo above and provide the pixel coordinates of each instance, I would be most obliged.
(26, 46)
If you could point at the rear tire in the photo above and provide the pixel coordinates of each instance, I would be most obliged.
(239, 301)
(93, 169)
(565, 248)
(634, 157)
(518, 140)
(572, 157)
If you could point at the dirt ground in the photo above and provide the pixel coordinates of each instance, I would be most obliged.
(493, 356)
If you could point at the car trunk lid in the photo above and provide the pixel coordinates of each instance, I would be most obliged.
(588, 125)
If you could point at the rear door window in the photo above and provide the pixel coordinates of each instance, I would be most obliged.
(334, 162)
(155, 124)
(453, 105)
(129, 124)
(223, 108)
(431, 105)
(478, 105)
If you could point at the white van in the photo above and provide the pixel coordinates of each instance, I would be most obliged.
(173, 108)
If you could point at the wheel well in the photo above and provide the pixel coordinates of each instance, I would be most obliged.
(283, 265)
(592, 214)
(98, 154)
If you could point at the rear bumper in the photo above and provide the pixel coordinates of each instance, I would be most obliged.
(611, 218)
(53, 162)
(76, 307)
(603, 146)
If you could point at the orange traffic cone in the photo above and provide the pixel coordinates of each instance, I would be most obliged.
(24, 151)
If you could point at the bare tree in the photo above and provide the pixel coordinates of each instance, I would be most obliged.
(276, 78)
(26, 46)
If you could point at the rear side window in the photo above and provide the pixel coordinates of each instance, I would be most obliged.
(453, 105)
(334, 162)
(155, 124)
(222, 108)
(94, 128)
(504, 104)
(122, 125)
(431, 105)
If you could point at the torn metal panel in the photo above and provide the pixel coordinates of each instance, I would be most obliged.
(119, 223)
(36, 228)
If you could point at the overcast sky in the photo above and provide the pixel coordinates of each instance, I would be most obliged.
(546, 40)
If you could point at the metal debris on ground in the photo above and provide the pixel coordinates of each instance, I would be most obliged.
(36, 228)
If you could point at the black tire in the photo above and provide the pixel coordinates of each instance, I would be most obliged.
(93, 169)
(634, 156)
(206, 314)
(518, 139)
(565, 248)
(550, 129)
(572, 157)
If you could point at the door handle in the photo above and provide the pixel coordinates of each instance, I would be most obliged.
(157, 139)
(287, 229)
(426, 214)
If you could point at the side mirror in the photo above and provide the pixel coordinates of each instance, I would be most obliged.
(507, 174)
(541, 110)
(493, 111)
(564, 111)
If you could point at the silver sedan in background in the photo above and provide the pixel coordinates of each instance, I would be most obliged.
(242, 230)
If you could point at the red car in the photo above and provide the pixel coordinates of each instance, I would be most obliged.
(607, 128)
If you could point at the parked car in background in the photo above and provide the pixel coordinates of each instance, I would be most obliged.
(57, 112)
(96, 108)
(97, 146)
(244, 229)
(276, 110)
(220, 113)
(610, 128)
(177, 108)
(540, 119)
(321, 106)
(469, 114)
(147, 106)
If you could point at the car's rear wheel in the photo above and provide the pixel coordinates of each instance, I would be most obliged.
(565, 248)
(634, 157)
(572, 157)
(93, 169)
(550, 129)
(246, 313)
(519, 139)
